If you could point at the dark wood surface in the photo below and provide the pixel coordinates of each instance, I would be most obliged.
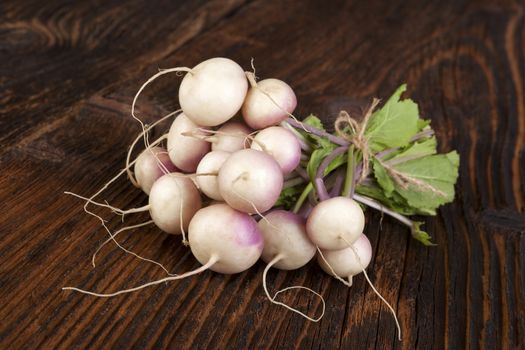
(68, 73)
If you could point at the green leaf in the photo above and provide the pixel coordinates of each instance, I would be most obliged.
(312, 120)
(436, 176)
(421, 149)
(394, 124)
(395, 203)
(422, 123)
(288, 197)
(316, 158)
(336, 163)
(421, 235)
(318, 142)
(383, 179)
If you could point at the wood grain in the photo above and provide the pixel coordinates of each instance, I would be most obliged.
(68, 74)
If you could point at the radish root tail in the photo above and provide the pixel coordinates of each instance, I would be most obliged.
(133, 144)
(213, 260)
(127, 251)
(374, 288)
(151, 79)
(272, 299)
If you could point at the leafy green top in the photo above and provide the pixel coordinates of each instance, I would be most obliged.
(407, 175)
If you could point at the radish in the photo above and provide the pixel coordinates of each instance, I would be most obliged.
(211, 163)
(285, 237)
(268, 103)
(286, 247)
(151, 164)
(250, 181)
(213, 91)
(343, 262)
(225, 236)
(281, 144)
(231, 137)
(185, 151)
(335, 223)
(173, 200)
(351, 261)
(223, 239)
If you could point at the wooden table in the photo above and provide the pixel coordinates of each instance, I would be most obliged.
(68, 73)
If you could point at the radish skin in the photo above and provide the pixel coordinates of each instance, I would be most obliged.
(147, 168)
(231, 137)
(213, 91)
(268, 103)
(284, 234)
(185, 151)
(173, 201)
(344, 261)
(335, 223)
(250, 181)
(211, 163)
(281, 144)
(227, 235)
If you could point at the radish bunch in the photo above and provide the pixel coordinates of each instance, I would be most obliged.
(244, 179)
(240, 167)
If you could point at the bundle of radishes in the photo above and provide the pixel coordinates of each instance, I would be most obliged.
(244, 179)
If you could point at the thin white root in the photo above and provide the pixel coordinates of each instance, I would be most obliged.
(102, 189)
(90, 200)
(113, 238)
(272, 299)
(141, 135)
(152, 78)
(218, 132)
(213, 260)
(252, 63)
(182, 230)
(252, 79)
(250, 202)
(113, 209)
(374, 289)
(345, 282)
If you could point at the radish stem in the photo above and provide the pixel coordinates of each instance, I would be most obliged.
(334, 139)
(348, 187)
(303, 197)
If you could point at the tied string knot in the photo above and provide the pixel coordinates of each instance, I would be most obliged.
(354, 132)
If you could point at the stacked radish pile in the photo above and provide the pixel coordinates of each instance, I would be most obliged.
(239, 167)
(235, 155)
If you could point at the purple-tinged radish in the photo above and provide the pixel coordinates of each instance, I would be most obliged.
(281, 144)
(213, 91)
(226, 236)
(344, 262)
(250, 181)
(286, 247)
(231, 137)
(223, 239)
(268, 103)
(185, 151)
(335, 223)
(285, 236)
(173, 200)
(211, 163)
(151, 164)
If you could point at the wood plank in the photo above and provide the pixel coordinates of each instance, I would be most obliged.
(68, 74)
